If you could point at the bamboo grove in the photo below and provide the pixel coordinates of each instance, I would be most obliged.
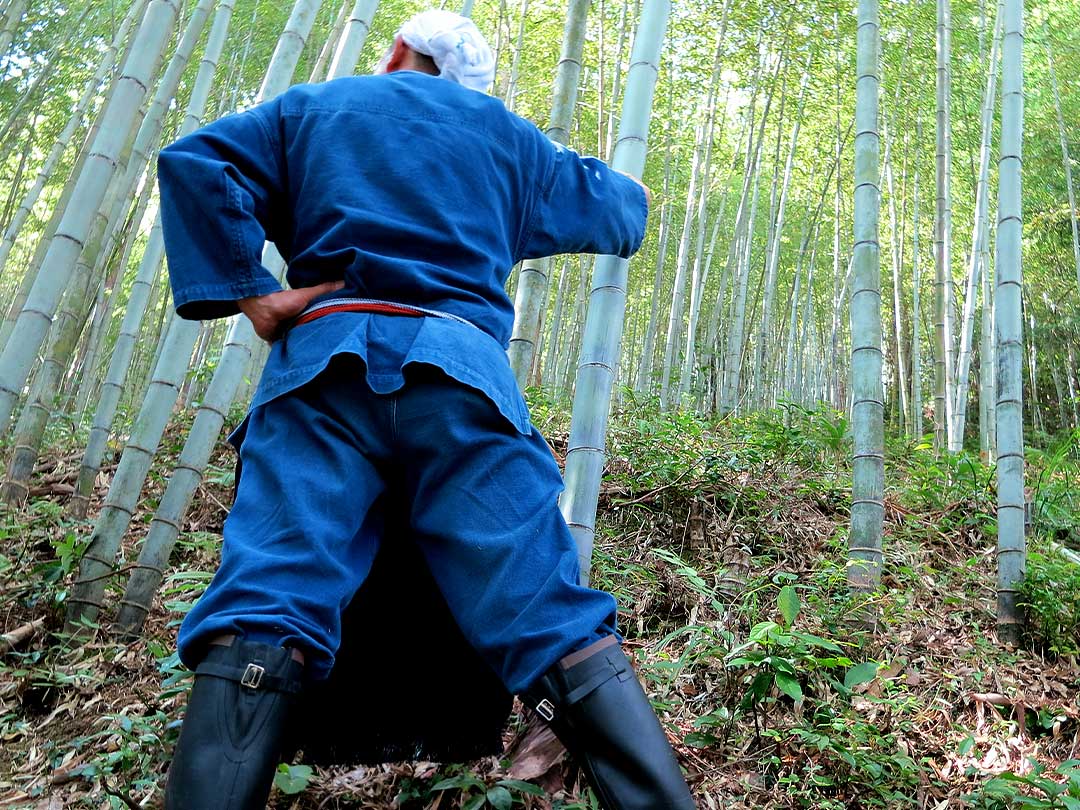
(837, 222)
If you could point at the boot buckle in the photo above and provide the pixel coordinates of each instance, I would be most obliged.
(546, 709)
(253, 676)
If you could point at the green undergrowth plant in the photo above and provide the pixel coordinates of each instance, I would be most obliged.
(120, 753)
(957, 489)
(1055, 498)
(800, 689)
(474, 792)
(41, 548)
(681, 450)
(130, 751)
(818, 438)
(779, 660)
(1042, 789)
(1050, 597)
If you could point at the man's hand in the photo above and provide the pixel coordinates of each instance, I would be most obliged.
(268, 313)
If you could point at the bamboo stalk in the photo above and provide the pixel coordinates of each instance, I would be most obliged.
(607, 299)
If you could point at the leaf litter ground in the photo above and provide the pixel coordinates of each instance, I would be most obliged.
(725, 547)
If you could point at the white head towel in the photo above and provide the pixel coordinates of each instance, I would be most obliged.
(455, 44)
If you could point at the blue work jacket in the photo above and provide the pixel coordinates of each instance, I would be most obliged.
(412, 189)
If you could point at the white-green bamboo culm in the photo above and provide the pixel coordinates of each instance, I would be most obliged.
(90, 89)
(149, 268)
(532, 289)
(943, 351)
(976, 264)
(85, 600)
(241, 358)
(32, 326)
(1008, 325)
(868, 406)
(352, 39)
(607, 299)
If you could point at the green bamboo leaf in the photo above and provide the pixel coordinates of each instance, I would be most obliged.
(759, 686)
(460, 782)
(860, 673)
(292, 779)
(788, 602)
(500, 798)
(521, 787)
(789, 686)
(816, 641)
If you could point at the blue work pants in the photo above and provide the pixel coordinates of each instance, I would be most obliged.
(483, 510)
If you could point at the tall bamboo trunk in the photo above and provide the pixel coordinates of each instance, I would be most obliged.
(916, 306)
(52, 160)
(898, 341)
(700, 274)
(132, 164)
(140, 294)
(987, 364)
(1008, 324)
(108, 293)
(795, 348)
(645, 367)
(12, 17)
(318, 70)
(532, 287)
(802, 352)
(978, 237)
(834, 332)
(555, 330)
(607, 300)
(88, 273)
(34, 96)
(678, 290)
(16, 182)
(729, 387)
(868, 407)
(701, 282)
(572, 343)
(352, 39)
(765, 328)
(1074, 389)
(30, 429)
(86, 599)
(943, 351)
(123, 112)
(709, 354)
(511, 87)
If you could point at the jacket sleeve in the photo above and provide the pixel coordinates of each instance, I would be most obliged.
(222, 196)
(583, 206)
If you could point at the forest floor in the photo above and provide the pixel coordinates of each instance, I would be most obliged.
(725, 544)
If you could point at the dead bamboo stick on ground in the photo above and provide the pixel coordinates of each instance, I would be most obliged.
(20, 635)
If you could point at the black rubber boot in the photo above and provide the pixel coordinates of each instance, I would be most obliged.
(597, 708)
(234, 728)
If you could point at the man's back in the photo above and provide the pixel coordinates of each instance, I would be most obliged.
(405, 177)
(409, 187)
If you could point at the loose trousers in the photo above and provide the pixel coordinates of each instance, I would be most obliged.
(298, 544)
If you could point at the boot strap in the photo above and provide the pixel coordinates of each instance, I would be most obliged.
(595, 681)
(253, 676)
(546, 707)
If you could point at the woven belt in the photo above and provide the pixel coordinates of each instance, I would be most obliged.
(332, 305)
